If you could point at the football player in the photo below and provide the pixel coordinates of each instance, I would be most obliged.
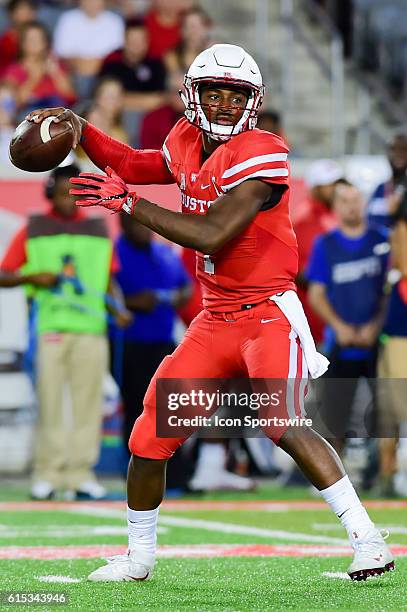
(234, 183)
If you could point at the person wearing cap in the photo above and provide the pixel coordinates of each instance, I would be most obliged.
(316, 218)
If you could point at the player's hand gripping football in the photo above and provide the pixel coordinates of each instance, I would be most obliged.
(107, 190)
(60, 114)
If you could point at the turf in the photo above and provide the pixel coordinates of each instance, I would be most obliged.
(216, 584)
(235, 583)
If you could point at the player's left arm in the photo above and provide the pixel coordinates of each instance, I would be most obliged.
(226, 218)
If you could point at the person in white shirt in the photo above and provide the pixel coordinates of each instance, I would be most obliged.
(84, 36)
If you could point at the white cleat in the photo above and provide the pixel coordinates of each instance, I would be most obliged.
(135, 566)
(372, 555)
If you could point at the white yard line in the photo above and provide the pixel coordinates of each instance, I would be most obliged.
(64, 579)
(340, 575)
(175, 521)
(61, 531)
(278, 534)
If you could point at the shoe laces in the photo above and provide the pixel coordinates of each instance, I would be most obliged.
(368, 545)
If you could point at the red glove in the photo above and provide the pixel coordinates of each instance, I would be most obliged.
(109, 191)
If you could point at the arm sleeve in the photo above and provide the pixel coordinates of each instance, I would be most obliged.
(134, 166)
(15, 256)
(262, 156)
(318, 270)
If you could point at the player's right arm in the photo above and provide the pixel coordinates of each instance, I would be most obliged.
(14, 258)
(39, 279)
(135, 166)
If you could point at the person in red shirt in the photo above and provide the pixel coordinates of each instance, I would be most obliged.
(315, 219)
(38, 78)
(20, 12)
(157, 123)
(163, 22)
(196, 28)
(234, 182)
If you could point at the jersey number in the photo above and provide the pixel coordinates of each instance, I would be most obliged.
(209, 265)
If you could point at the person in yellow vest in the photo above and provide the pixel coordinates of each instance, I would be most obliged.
(65, 260)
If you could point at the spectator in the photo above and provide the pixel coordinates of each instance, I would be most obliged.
(195, 31)
(66, 258)
(83, 37)
(393, 375)
(316, 219)
(156, 124)
(384, 201)
(20, 12)
(38, 79)
(143, 79)
(346, 278)
(163, 24)
(106, 112)
(7, 119)
(155, 284)
(270, 121)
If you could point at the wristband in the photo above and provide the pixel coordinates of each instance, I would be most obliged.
(130, 202)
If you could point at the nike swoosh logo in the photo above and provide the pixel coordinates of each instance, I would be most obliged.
(379, 558)
(341, 515)
(270, 320)
(205, 186)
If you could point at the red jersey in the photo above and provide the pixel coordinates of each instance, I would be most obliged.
(263, 259)
(162, 38)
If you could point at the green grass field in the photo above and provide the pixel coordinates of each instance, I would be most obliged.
(225, 552)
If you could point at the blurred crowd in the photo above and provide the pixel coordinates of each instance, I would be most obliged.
(117, 66)
(374, 35)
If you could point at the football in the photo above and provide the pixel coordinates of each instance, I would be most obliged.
(37, 147)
